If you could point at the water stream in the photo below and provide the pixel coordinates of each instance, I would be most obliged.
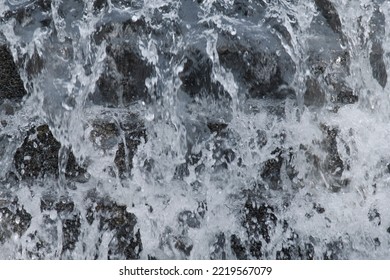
(194, 129)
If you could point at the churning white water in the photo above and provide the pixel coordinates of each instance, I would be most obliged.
(189, 129)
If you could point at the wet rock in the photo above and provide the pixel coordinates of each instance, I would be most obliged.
(38, 156)
(14, 219)
(374, 217)
(105, 135)
(271, 171)
(377, 32)
(314, 95)
(377, 242)
(196, 75)
(217, 127)
(238, 248)
(334, 250)
(202, 208)
(184, 244)
(262, 71)
(39, 11)
(259, 221)
(333, 164)
(126, 242)
(68, 216)
(189, 219)
(11, 85)
(241, 9)
(331, 15)
(123, 80)
(318, 208)
(135, 134)
(218, 249)
(71, 232)
(293, 248)
(181, 171)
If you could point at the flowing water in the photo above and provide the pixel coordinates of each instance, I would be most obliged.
(187, 129)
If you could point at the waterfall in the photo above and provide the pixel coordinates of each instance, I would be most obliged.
(194, 129)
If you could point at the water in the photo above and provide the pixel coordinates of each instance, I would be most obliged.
(194, 129)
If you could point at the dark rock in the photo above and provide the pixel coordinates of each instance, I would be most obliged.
(333, 164)
(314, 95)
(218, 248)
(11, 85)
(294, 249)
(38, 156)
(263, 72)
(202, 208)
(334, 250)
(271, 171)
(123, 80)
(105, 135)
(374, 217)
(13, 219)
(377, 242)
(181, 171)
(135, 133)
(196, 75)
(319, 209)
(261, 139)
(377, 32)
(238, 248)
(189, 219)
(329, 12)
(259, 221)
(241, 9)
(193, 159)
(217, 127)
(75, 172)
(184, 244)
(71, 232)
(343, 94)
(39, 11)
(112, 217)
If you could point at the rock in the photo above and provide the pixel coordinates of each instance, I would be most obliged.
(181, 171)
(238, 248)
(134, 133)
(184, 244)
(241, 8)
(14, 219)
(218, 251)
(263, 71)
(123, 81)
(259, 222)
(377, 33)
(126, 242)
(196, 75)
(188, 218)
(333, 165)
(271, 170)
(331, 15)
(334, 250)
(374, 217)
(38, 157)
(11, 85)
(314, 95)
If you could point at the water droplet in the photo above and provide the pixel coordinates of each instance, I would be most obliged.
(149, 116)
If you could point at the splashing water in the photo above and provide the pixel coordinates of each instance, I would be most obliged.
(215, 129)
